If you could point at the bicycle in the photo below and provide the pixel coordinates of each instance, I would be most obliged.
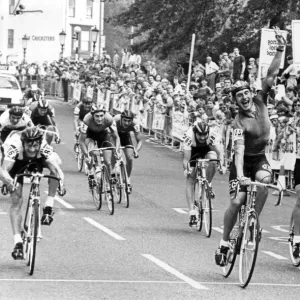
(295, 261)
(244, 238)
(31, 233)
(79, 156)
(121, 188)
(103, 186)
(202, 201)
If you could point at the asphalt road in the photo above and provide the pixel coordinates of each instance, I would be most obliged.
(147, 251)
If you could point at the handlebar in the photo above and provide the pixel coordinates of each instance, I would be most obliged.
(202, 160)
(101, 149)
(135, 153)
(267, 185)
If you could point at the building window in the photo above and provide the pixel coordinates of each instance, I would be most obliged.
(10, 43)
(11, 6)
(89, 9)
(72, 8)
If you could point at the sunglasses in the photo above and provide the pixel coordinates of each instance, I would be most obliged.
(297, 105)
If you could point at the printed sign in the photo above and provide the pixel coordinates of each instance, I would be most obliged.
(296, 41)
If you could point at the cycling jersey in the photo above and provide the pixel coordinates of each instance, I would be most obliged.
(39, 119)
(253, 129)
(190, 141)
(13, 149)
(6, 126)
(80, 111)
(132, 127)
(107, 123)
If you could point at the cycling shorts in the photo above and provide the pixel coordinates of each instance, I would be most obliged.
(297, 172)
(103, 139)
(252, 164)
(125, 139)
(198, 152)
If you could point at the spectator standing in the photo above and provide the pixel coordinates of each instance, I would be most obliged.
(292, 72)
(211, 69)
(239, 65)
(116, 58)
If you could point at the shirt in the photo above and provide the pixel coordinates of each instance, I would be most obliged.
(6, 125)
(133, 127)
(90, 124)
(211, 68)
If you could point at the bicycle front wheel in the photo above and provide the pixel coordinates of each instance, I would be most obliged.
(34, 231)
(96, 192)
(198, 206)
(207, 213)
(249, 248)
(124, 185)
(295, 260)
(106, 191)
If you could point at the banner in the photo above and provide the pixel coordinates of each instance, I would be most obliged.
(143, 117)
(77, 91)
(268, 46)
(101, 98)
(296, 41)
(90, 92)
(180, 126)
(158, 119)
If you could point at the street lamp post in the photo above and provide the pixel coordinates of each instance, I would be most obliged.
(62, 39)
(95, 32)
(25, 39)
(77, 30)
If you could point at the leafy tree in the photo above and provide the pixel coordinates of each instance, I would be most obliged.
(165, 26)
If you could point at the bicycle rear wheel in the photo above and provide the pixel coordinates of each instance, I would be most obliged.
(124, 185)
(207, 213)
(249, 249)
(106, 191)
(198, 206)
(295, 261)
(34, 235)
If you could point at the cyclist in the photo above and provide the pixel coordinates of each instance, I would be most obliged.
(13, 118)
(100, 127)
(199, 142)
(251, 130)
(33, 94)
(22, 149)
(43, 114)
(80, 111)
(125, 125)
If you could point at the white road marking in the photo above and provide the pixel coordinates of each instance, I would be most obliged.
(63, 202)
(278, 227)
(3, 213)
(176, 273)
(180, 210)
(218, 229)
(274, 255)
(104, 229)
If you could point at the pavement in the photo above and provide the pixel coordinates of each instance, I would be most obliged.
(147, 251)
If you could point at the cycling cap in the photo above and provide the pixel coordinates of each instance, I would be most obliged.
(31, 134)
(201, 127)
(16, 111)
(127, 114)
(43, 103)
(97, 108)
(239, 86)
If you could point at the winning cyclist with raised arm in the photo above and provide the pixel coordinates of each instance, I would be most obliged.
(199, 142)
(251, 130)
(100, 127)
(125, 124)
(22, 149)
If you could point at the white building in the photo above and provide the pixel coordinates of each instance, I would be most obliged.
(43, 28)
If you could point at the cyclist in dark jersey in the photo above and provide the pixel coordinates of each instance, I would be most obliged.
(125, 125)
(80, 111)
(251, 130)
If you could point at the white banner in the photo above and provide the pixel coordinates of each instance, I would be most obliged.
(268, 46)
(143, 119)
(158, 119)
(180, 126)
(77, 91)
(90, 92)
(296, 41)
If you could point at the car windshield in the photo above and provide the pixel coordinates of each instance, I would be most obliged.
(8, 83)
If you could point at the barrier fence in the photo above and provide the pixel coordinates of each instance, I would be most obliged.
(165, 125)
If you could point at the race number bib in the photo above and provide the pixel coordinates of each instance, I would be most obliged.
(187, 140)
(11, 152)
(238, 134)
(83, 128)
(46, 151)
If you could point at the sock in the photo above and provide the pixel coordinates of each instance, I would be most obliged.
(49, 201)
(296, 239)
(209, 184)
(192, 212)
(128, 180)
(90, 172)
(17, 238)
(224, 243)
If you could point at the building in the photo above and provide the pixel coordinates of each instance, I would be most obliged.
(43, 29)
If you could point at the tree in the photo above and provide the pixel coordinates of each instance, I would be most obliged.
(165, 26)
